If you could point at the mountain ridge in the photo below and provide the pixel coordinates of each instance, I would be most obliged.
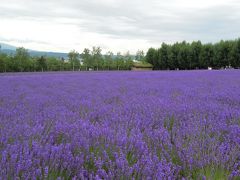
(11, 50)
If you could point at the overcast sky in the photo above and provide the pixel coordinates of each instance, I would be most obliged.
(116, 25)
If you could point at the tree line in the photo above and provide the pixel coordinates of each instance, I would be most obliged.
(92, 59)
(180, 55)
(195, 55)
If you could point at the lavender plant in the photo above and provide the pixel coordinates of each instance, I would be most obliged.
(120, 125)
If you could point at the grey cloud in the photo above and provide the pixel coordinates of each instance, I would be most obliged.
(24, 41)
(134, 19)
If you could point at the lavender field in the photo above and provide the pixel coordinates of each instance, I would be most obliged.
(120, 125)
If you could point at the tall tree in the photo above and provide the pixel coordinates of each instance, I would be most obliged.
(235, 54)
(150, 56)
(196, 51)
(163, 56)
(173, 56)
(207, 56)
(21, 59)
(97, 57)
(119, 60)
(42, 63)
(87, 59)
(74, 59)
(108, 60)
(222, 54)
(183, 58)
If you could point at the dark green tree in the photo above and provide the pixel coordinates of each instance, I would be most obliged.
(53, 64)
(3, 62)
(183, 56)
(150, 56)
(21, 59)
(163, 56)
(173, 56)
(235, 54)
(42, 63)
(97, 57)
(195, 54)
(207, 56)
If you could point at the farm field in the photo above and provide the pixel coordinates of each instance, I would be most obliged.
(120, 125)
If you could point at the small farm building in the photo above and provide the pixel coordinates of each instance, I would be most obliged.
(142, 66)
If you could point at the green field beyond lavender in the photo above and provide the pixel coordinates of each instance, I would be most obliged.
(120, 125)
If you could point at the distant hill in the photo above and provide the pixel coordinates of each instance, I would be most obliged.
(7, 47)
(11, 50)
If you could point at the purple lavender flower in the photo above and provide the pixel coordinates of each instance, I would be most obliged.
(120, 125)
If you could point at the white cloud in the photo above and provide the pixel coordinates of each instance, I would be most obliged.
(117, 25)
